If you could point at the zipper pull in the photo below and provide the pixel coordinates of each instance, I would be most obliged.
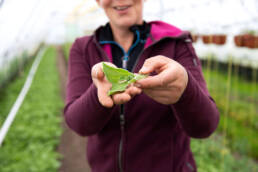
(125, 60)
(122, 117)
(122, 120)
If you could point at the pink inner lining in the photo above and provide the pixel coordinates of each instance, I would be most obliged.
(159, 30)
(107, 49)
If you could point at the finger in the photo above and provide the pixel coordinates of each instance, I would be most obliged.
(121, 98)
(132, 90)
(104, 99)
(163, 97)
(154, 64)
(150, 82)
(158, 97)
(154, 96)
(97, 71)
(100, 73)
(163, 88)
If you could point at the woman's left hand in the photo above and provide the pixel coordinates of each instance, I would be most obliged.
(170, 82)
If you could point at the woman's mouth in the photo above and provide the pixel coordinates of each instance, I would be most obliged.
(121, 8)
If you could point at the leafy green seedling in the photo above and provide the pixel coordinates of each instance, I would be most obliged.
(119, 78)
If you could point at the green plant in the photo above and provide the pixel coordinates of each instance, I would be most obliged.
(212, 155)
(119, 78)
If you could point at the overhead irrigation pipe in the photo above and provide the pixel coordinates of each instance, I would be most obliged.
(19, 100)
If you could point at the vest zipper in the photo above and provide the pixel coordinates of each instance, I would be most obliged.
(122, 128)
(122, 123)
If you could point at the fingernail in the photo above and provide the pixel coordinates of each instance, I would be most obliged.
(137, 85)
(143, 69)
(97, 71)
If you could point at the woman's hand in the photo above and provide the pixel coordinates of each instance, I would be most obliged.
(170, 82)
(103, 86)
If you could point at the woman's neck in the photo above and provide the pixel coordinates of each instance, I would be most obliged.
(123, 37)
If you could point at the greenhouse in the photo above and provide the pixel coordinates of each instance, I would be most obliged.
(35, 67)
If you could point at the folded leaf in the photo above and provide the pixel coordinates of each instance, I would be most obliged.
(119, 78)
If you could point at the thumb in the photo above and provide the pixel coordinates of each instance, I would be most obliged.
(100, 73)
(151, 81)
(104, 99)
(97, 72)
(154, 64)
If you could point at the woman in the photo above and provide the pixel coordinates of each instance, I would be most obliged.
(147, 127)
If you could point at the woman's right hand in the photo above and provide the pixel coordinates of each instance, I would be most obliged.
(103, 86)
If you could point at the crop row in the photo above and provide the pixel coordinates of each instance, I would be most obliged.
(30, 145)
(236, 100)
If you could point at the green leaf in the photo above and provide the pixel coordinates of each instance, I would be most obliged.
(119, 78)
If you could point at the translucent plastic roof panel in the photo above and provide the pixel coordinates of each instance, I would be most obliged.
(26, 23)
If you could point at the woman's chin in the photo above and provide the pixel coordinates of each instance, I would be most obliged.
(126, 23)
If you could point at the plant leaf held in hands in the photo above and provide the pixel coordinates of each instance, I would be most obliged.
(119, 78)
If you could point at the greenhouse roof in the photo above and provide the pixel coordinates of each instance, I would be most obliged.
(24, 24)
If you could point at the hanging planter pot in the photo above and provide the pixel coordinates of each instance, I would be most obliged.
(215, 39)
(223, 39)
(256, 41)
(238, 39)
(194, 37)
(207, 39)
(249, 41)
(219, 39)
